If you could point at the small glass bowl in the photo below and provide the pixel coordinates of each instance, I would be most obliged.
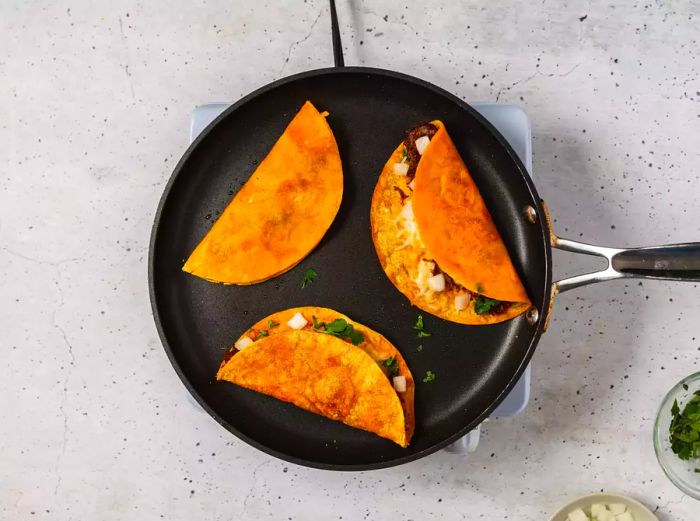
(681, 473)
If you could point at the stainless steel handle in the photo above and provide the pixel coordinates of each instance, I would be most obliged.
(671, 262)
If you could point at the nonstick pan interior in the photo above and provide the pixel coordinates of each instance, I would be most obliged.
(370, 110)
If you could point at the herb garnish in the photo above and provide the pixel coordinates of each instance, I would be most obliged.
(419, 326)
(309, 277)
(391, 365)
(429, 376)
(404, 155)
(483, 305)
(419, 348)
(271, 323)
(340, 328)
(685, 429)
(263, 333)
(479, 287)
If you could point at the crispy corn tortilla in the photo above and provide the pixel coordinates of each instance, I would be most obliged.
(322, 374)
(456, 226)
(375, 345)
(401, 243)
(281, 213)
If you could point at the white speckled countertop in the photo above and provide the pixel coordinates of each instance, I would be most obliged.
(95, 100)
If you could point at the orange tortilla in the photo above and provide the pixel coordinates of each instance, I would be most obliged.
(281, 213)
(374, 344)
(322, 374)
(401, 243)
(456, 226)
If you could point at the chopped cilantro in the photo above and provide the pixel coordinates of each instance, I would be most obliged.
(391, 365)
(429, 376)
(263, 333)
(685, 428)
(309, 276)
(404, 155)
(340, 328)
(271, 323)
(419, 348)
(422, 333)
(697, 470)
(484, 305)
(479, 287)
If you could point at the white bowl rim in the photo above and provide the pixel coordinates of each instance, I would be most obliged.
(595, 498)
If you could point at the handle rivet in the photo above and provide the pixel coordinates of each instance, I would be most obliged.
(530, 214)
(532, 316)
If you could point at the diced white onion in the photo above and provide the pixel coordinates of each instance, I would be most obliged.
(462, 301)
(243, 342)
(597, 509)
(401, 168)
(407, 211)
(400, 384)
(601, 513)
(577, 515)
(411, 184)
(422, 144)
(605, 515)
(437, 282)
(297, 321)
(617, 508)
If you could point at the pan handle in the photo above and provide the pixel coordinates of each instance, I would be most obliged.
(671, 262)
(337, 44)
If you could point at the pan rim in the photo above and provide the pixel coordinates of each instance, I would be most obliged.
(541, 223)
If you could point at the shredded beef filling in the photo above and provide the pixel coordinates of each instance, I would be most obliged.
(501, 308)
(424, 129)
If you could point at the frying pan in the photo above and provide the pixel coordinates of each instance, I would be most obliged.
(475, 366)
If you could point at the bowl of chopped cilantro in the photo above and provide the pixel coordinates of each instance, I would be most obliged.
(677, 435)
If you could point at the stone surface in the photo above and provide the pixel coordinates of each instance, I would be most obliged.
(95, 99)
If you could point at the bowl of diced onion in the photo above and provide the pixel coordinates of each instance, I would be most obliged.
(604, 507)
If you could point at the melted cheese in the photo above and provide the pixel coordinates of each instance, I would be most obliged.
(425, 271)
(408, 229)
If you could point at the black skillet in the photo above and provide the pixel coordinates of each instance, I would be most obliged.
(475, 367)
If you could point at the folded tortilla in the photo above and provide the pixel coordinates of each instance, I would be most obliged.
(281, 213)
(437, 223)
(326, 374)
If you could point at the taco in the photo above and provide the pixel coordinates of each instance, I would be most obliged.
(435, 238)
(319, 359)
(281, 213)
